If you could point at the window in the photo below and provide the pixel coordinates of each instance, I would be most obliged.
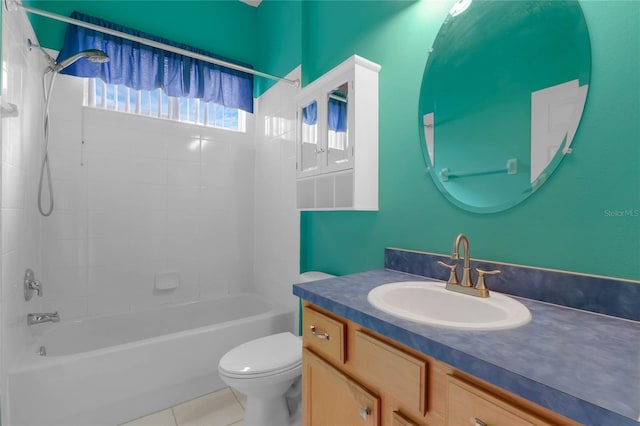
(155, 103)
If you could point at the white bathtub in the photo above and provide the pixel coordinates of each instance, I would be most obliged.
(111, 369)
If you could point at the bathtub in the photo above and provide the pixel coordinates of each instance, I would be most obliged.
(112, 369)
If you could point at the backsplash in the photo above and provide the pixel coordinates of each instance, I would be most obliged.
(604, 295)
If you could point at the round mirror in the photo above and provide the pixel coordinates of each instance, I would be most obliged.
(502, 95)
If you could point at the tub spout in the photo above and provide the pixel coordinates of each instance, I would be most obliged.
(40, 318)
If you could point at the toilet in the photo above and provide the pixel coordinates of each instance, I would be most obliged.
(268, 371)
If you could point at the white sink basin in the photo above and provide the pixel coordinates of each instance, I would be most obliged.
(428, 302)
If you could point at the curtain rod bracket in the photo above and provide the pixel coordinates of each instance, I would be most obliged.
(11, 5)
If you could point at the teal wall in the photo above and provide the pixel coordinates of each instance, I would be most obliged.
(227, 28)
(568, 224)
(565, 225)
(279, 44)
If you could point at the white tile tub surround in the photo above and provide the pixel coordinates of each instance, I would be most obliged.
(20, 158)
(143, 195)
(277, 221)
(136, 196)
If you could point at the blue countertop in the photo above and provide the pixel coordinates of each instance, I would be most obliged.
(583, 365)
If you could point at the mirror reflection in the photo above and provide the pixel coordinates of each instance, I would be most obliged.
(502, 95)
(337, 134)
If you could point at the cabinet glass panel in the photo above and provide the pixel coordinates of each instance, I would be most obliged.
(309, 148)
(337, 126)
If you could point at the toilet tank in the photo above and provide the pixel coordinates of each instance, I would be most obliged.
(314, 276)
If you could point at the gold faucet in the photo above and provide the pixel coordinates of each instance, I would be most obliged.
(455, 255)
(466, 286)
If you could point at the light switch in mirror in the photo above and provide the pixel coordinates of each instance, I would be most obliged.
(502, 96)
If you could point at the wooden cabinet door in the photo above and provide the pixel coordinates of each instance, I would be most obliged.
(331, 398)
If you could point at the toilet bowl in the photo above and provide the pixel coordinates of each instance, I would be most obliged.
(268, 371)
(264, 370)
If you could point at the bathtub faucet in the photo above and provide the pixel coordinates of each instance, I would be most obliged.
(40, 318)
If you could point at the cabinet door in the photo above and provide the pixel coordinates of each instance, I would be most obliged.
(331, 398)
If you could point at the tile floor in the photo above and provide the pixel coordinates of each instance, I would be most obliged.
(222, 408)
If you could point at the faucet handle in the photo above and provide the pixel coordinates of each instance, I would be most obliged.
(481, 273)
(31, 285)
(453, 276)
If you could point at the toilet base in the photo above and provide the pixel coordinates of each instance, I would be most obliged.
(267, 412)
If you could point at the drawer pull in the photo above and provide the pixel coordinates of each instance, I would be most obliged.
(324, 336)
(478, 422)
(365, 412)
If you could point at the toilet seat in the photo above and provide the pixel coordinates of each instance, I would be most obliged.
(265, 356)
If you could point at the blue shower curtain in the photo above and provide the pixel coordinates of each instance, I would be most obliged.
(142, 67)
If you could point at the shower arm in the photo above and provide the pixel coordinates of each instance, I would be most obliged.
(12, 5)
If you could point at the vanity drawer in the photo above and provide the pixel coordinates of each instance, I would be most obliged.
(470, 405)
(400, 374)
(324, 335)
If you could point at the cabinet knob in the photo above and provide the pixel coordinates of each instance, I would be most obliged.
(478, 422)
(319, 150)
(324, 336)
(365, 412)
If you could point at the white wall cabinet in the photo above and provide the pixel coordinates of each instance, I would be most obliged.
(337, 139)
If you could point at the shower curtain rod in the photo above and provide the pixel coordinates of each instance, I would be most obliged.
(147, 42)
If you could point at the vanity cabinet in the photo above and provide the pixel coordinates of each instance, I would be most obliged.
(354, 376)
(337, 139)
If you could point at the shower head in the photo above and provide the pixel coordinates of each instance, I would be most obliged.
(94, 55)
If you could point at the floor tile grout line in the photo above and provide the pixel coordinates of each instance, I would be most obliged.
(173, 413)
(236, 400)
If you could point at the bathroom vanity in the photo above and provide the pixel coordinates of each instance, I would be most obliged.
(366, 378)
(364, 366)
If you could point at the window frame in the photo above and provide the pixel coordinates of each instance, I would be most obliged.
(156, 104)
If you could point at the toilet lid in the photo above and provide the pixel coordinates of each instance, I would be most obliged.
(267, 354)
